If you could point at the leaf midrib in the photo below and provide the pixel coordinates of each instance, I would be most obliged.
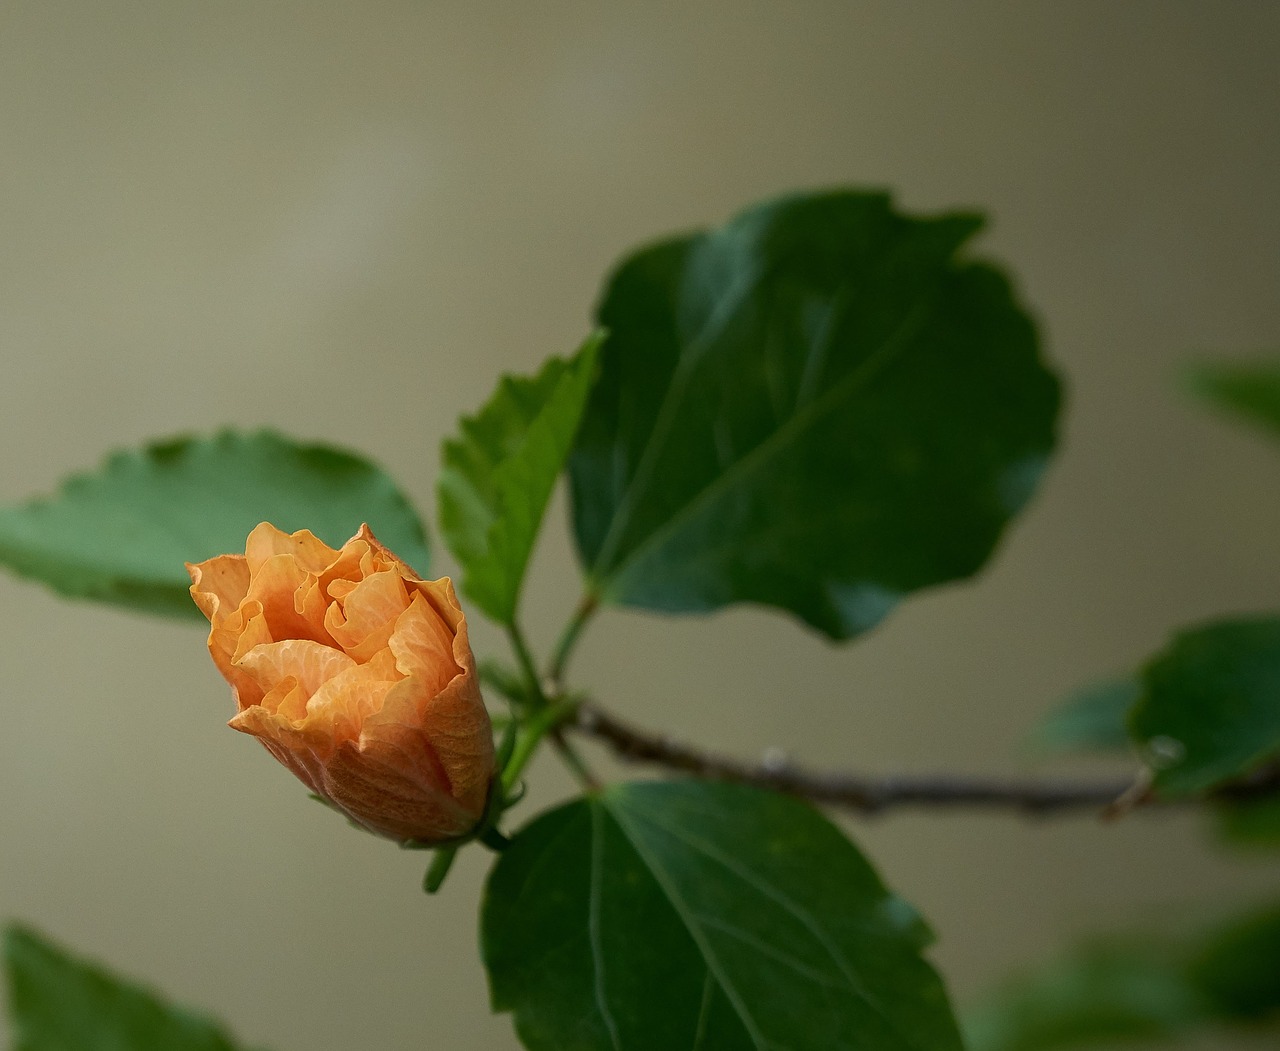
(751, 461)
(847, 971)
(715, 322)
(689, 920)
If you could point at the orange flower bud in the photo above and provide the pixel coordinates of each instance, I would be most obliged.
(356, 675)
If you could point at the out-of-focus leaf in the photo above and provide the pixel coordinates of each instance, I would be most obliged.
(1097, 997)
(1210, 709)
(1250, 390)
(59, 1003)
(499, 473)
(1093, 719)
(821, 406)
(122, 534)
(661, 915)
(1225, 980)
(1237, 969)
(1255, 823)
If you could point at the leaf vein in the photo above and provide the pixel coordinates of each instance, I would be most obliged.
(689, 919)
(751, 460)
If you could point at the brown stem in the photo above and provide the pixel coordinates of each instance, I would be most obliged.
(869, 795)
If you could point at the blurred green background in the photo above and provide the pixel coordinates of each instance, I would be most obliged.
(344, 220)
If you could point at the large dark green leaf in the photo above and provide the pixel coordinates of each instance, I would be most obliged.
(1097, 997)
(1210, 709)
(661, 915)
(498, 475)
(1250, 390)
(820, 406)
(58, 1003)
(123, 533)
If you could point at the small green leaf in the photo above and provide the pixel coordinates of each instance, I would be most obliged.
(122, 534)
(1210, 709)
(59, 1003)
(1092, 719)
(499, 473)
(686, 914)
(821, 406)
(1098, 996)
(1249, 390)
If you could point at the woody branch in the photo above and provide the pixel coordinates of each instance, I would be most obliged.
(871, 794)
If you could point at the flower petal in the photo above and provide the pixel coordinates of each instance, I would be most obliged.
(423, 645)
(219, 585)
(356, 675)
(311, 553)
(392, 784)
(364, 618)
(311, 664)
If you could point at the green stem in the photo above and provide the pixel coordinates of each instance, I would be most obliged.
(525, 658)
(569, 638)
(574, 761)
(531, 734)
(494, 840)
(547, 715)
(438, 869)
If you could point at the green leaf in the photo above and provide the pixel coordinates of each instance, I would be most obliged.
(1217, 981)
(1098, 996)
(1092, 719)
(1255, 823)
(1249, 390)
(1237, 969)
(122, 534)
(498, 475)
(659, 915)
(1210, 709)
(59, 1003)
(819, 406)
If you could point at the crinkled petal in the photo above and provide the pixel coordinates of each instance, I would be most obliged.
(219, 585)
(303, 751)
(242, 627)
(386, 559)
(363, 621)
(280, 585)
(356, 675)
(311, 664)
(423, 645)
(311, 553)
(341, 706)
(460, 732)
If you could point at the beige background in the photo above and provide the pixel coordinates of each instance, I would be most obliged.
(344, 219)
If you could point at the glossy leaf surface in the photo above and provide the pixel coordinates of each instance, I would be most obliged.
(821, 406)
(122, 533)
(499, 473)
(659, 915)
(1210, 710)
(59, 1003)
